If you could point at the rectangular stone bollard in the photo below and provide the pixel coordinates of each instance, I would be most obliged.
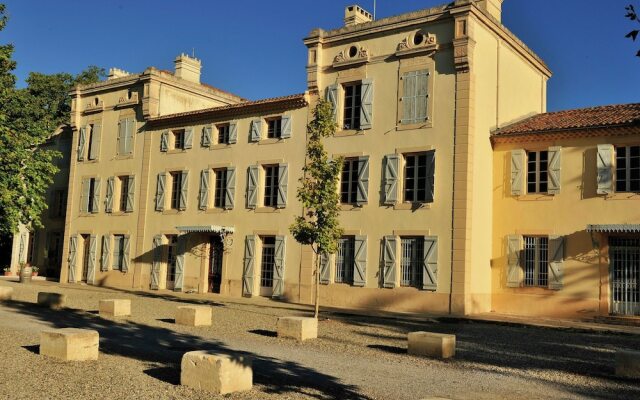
(115, 307)
(437, 345)
(299, 328)
(52, 300)
(217, 373)
(194, 315)
(6, 293)
(628, 363)
(70, 344)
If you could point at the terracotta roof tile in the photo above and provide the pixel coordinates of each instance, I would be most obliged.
(593, 117)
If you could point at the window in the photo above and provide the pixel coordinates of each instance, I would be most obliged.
(221, 187)
(536, 262)
(176, 185)
(223, 134)
(415, 178)
(268, 261)
(274, 128)
(628, 169)
(352, 106)
(537, 171)
(414, 96)
(271, 185)
(118, 252)
(92, 202)
(89, 142)
(349, 181)
(31, 248)
(345, 258)
(178, 139)
(58, 203)
(125, 136)
(124, 192)
(411, 263)
(172, 247)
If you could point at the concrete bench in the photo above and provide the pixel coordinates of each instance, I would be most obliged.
(70, 344)
(115, 307)
(194, 315)
(628, 363)
(299, 328)
(437, 345)
(217, 373)
(52, 300)
(6, 293)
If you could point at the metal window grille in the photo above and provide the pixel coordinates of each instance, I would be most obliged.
(176, 184)
(92, 191)
(221, 186)
(118, 252)
(415, 177)
(178, 139)
(536, 261)
(411, 263)
(271, 185)
(537, 171)
(349, 181)
(624, 259)
(628, 169)
(223, 134)
(274, 128)
(345, 259)
(268, 261)
(352, 105)
(124, 190)
(171, 257)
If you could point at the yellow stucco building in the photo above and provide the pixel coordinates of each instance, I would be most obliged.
(176, 185)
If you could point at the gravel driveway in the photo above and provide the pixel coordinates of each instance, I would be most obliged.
(355, 357)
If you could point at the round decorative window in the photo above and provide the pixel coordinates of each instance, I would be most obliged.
(418, 38)
(96, 101)
(353, 51)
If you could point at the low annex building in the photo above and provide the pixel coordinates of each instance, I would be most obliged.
(175, 185)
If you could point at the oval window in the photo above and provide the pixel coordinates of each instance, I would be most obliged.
(353, 51)
(418, 38)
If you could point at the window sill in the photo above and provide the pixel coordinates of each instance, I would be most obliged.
(533, 290)
(215, 210)
(412, 206)
(176, 151)
(350, 207)
(124, 157)
(87, 214)
(219, 146)
(119, 213)
(172, 212)
(535, 197)
(270, 141)
(349, 132)
(267, 210)
(407, 127)
(623, 196)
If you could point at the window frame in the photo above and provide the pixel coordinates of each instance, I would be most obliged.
(352, 183)
(268, 244)
(177, 144)
(408, 65)
(171, 257)
(411, 264)
(540, 169)
(345, 263)
(223, 132)
(414, 177)
(90, 195)
(538, 266)
(270, 188)
(176, 185)
(353, 107)
(629, 179)
(220, 187)
(274, 127)
(118, 252)
(123, 192)
(59, 208)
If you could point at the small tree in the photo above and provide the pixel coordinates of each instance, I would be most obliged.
(318, 227)
(633, 16)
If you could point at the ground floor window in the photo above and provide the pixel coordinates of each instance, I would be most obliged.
(411, 263)
(624, 258)
(172, 246)
(536, 261)
(268, 261)
(345, 260)
(118, 252)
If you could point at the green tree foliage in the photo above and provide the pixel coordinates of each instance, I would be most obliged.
(633, 16)
(319, 226)
(28, 117)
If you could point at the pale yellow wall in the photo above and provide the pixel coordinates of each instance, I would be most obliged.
(176, 99)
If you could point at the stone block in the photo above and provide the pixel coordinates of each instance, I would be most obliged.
(436, 345)
(194, 315)
(216, 373)
(70, 344)
(299, 328)
(6, 293)
(52, 300)
(628, 364)
(115, 307)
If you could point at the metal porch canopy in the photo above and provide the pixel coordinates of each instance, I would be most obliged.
(614, 228)
(205, 229)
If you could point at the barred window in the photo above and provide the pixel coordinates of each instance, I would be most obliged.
(349, 181)
(628, 169)
(274, 128)
(537, 171)
(415, 178)
(223, 134)
(345, 259)
(124, 190)
(271, 185)
(171, 257)
(268, 261)
(352, 105)
(118, 252)
(411, 263)
(536, 261)
(176, 184)
(221, 187)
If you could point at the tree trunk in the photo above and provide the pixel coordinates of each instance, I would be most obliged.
(317, 300)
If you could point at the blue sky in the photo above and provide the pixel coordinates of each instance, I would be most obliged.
(582, 41)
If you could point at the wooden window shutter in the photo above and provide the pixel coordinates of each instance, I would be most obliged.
(518, 159)
(131, 189)
(431, 173)
(230, 189)
(122, 136)
(430, 263)
(605, 168)
(360, 261)
(286, 127)
(188, 138)
(362, 193)
(554, 169)
(391, 166)
(205, 140)
(94, 146)
(104, 258)
(556, 259)
(164, 141)
(256, 128)
(84, 198)
(389, 246)
(82, 137)
(233, 132)
(203, 199)
(91, 265)
(73, 248)
(325, 268)
(248, 267)
(179, 277)
(278, 267)
(184, 187)
(162, 178)
(514, 269)
(332, 98)
(96, 195)
(283, 184)
(157, 260)
(125, 257)
(366, 109)
(409, 82)
(252, 186)
(108, 201)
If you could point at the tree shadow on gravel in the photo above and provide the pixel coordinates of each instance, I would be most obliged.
(166, 347)
(264, 332)
(520, 348)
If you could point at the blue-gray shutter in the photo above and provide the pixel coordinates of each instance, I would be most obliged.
(73, 248)
(122, 136)
(556, 258)
(131, 127)
(389, 246)
(94, 145)
(252, 186)
(164, 141)
(82, 138)
(332, 98)
(555, 169)
(518, 158)
(179, 277)
(230, 189)
(286, 127)
(125, 257)
(514, 270)
(188, 138)
(325, 269)
(233, 132)
(256, 128)
(203, 199)
(84, 197)
(366, 108)
(205, 141)
(605, 168)
(278, 267)
(184, 186)
(157, 259)
(283, 184)
(360, 261)
(414, 97)
(431, 170)
(248, 267)
(91, 265)
(362, 192)
(162, 178)
(430, 263)
(96, 195)
(104, 257)
(130, 193)
(108, 201)
(391, 166)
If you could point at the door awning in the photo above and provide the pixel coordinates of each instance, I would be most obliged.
(205, 229)
(614, 228)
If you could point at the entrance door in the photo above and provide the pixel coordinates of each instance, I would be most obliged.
(267, 264)
(215, 264)
(624, 259)
(172, 252)
(86, 253)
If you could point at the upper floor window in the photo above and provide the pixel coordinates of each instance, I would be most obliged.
(274, 128)
(125, 190)
(270, 185)
(628, 169)
(352, 106)
(90, 195)
(413, 103)
(417, 189)
(223, 133)
(221, 188)
(274, 178)
(126, 128)
(89, 142)
(176, 186)
(58, 206)
(177, 139)
(354, 183)
(537, 171)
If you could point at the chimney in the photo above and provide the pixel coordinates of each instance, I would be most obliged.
(493, 7)
(115, 73)
(354, 15)
(188, 68)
